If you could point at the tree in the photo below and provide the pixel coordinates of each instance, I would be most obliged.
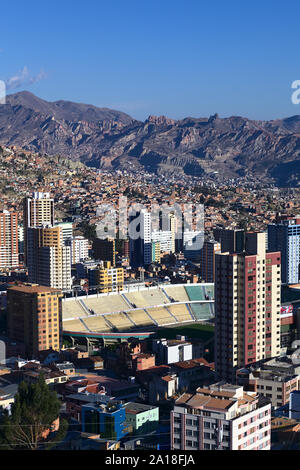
(59, 436)
(34, 410)
(89, 231)
(243, 224)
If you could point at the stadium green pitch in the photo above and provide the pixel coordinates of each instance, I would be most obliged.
(203, 332)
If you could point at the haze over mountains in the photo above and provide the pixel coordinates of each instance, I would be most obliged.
(105, 138)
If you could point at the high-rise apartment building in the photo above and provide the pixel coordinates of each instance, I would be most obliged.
(49, 259)
(172, 222)
(38, 210)
(67, 230)
(79, 248)
(106, 278)
(232, 240)
(140, 239)
(285, 237)
(165, 238)
(221, 417)
(34, 317)
(9, 250)
(207, 260)
(156, 252)
(125, 248)
(105, 250)
(110, 279)
(247, 306)
(166, 230)
(192, 244)
(21, 239)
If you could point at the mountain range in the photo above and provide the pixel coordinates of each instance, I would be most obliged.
(105, 138)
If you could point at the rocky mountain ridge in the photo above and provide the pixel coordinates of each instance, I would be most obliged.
(231, 147)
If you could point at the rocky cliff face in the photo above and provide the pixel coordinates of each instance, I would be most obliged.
(60, 127)
(105, 138)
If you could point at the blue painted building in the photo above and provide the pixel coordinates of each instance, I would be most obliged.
(108, 420)
(285, 237)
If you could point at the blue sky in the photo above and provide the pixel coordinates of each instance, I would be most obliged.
(177, 58)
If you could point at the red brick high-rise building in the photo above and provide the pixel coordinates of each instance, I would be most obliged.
(247, 306)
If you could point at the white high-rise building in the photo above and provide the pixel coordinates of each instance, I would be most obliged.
(67, 230)
(49, 259)
(140, 238)
(79, 247)
(172, 222)
(38, 210)
(165, 238)
(146, 236)
(21, 238)
(9, 251)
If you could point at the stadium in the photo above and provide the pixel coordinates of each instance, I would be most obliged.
(136, 312)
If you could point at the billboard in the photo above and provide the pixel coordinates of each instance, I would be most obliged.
(286, 310)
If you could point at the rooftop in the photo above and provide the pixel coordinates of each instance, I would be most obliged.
(33, 289)
(136, 408)
(191, 363)
(216, 399)
(201, 401)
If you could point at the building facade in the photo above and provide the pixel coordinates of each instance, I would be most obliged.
(232, 240)
(140, 242)
(142, 418)
(66, 230)
(38, 209)
(108, 420)
(171, 351)
(220, 417)
(9, 247)
(105, 278)
(247, 307)
(49, 259)
(285, 237)
(276, 387)
(165, 238)
(79, 248)
(207, 260)
(105, 250)
(34, 317)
